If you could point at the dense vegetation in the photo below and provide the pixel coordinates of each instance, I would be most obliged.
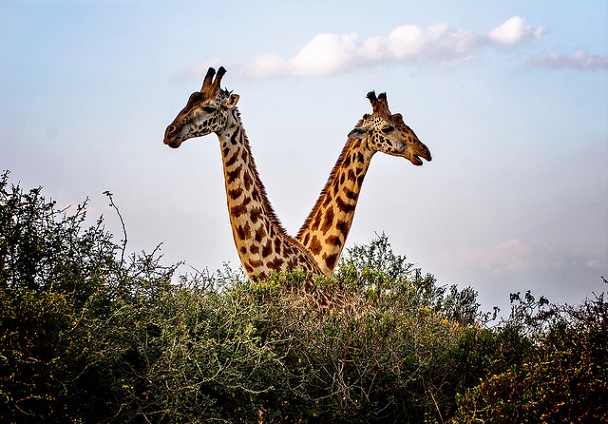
(88, 334)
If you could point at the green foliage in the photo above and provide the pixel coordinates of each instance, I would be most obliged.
(560, 373)
(376, 269)
(352, 356)
(87, 335)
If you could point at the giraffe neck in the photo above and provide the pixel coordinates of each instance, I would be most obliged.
(261, 241)
(325, 230)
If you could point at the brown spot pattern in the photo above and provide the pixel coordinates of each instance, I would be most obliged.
(275, 264)
(331, 260)
(329, 220)
(233, 175)
(343, 206)
(247, 181)
(235, 193)
(260, 233)
(315, 245)
(255, 214)
(333, 241)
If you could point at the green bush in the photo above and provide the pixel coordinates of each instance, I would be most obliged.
(87, 335)
(560, 374)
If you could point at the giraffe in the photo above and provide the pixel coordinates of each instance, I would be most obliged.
(261, 241)
(325, 229)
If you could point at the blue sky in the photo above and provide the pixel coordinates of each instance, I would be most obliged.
(510, 97)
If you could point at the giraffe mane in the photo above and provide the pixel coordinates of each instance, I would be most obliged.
(332, 175)
(328, 185)
(268, 209)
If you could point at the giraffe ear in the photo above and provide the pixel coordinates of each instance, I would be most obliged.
(233, 99)
(358, 133)
(361, 129)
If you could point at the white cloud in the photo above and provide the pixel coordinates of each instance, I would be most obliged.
(328, 54)
(325, 54)
(513, 31)
(577, 60)
(269, 64)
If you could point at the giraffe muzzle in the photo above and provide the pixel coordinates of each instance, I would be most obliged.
(422, 152)
(170, 137)
(426, 154)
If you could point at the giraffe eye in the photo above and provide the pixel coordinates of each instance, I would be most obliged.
(388, 130)
(209, 109)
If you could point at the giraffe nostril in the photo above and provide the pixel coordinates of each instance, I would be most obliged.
(171, 129)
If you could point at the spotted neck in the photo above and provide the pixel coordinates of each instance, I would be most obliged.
(261, 241)
(327, 226)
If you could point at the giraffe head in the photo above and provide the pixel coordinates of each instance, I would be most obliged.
(207, 111)
(387, 133)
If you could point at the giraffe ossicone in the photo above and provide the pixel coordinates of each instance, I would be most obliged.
(261, 241)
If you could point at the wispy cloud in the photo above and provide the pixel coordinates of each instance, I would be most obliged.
(329, 53)
(577, 60)
(516, 257)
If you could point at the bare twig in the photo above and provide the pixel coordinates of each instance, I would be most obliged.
(122, 223)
